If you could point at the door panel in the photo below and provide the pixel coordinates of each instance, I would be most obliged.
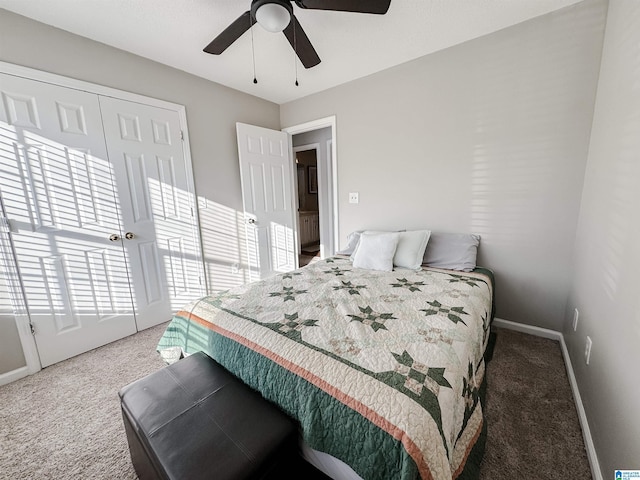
(136, 188)
(266, 176)
(57, 185)
(144, 144)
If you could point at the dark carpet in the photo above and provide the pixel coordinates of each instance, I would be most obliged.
(533, 426)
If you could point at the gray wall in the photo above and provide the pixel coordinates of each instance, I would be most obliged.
(212, 112)
(491, 137)
(11, 356)
(606, 284)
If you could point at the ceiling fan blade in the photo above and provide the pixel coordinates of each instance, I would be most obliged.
(301, 43)
(230, 34)
(379, 7)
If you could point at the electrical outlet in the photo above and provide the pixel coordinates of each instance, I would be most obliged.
(575, 319)
(587, 350)
(354, 197)
(235, 268)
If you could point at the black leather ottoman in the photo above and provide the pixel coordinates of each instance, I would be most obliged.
(194, 420)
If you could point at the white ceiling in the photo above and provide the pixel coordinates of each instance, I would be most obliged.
(351, 45)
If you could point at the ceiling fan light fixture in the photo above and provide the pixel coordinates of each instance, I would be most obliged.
(273, 16)
(277, 16)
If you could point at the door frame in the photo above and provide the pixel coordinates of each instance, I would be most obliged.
(22, 321)
(329, 165)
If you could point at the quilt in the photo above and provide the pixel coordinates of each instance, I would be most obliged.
(382, 370)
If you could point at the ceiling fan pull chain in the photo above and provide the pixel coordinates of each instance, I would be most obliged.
(253, 51)
(295, 49)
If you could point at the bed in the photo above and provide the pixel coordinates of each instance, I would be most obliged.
(383, 371)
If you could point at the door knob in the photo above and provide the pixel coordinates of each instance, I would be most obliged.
(129, 235)
(114, 237)
(251, 221)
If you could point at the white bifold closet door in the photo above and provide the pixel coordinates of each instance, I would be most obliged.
(145, 148)
(77, 172)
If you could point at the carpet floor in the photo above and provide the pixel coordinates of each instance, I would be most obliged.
(64, 422)
(533, 426)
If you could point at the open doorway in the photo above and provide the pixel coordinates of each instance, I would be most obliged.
(306, 161)
(314, 148)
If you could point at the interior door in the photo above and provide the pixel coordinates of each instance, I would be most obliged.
(160, 230)
(58, 189)
(266, 176)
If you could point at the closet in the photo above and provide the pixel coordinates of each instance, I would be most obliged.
(96, 194)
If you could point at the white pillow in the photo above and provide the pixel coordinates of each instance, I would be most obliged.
(354, 239)
(375, 251)
(410, 250)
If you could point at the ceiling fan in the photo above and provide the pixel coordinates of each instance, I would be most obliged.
(277, 16)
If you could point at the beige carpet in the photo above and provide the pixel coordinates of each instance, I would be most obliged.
(64, 422)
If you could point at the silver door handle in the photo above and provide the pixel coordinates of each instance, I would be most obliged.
(251, 221)
(129, 236)
(114, 237)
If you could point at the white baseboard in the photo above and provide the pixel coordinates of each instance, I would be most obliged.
(586, 431)
(582, 416)
(530, 329)
(14, 375)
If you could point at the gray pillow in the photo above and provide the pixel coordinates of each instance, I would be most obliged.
(453, 251)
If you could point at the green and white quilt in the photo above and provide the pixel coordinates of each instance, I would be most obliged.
(381, 369)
